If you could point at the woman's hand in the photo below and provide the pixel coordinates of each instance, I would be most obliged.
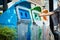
(46, 14)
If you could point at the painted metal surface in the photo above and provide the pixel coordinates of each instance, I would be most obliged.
(24, 21)
(37, 23)
(9, 19)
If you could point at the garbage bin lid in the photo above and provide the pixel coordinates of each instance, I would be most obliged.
(37, 8)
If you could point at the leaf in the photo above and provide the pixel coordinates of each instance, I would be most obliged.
(8, 32)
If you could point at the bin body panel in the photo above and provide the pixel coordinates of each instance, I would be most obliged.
(22, 31)
(37, 24)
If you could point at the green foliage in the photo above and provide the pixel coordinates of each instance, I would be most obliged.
(7, 33)
(0, 13)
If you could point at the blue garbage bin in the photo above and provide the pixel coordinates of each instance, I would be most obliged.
(24, 20)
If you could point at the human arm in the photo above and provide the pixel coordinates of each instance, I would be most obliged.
(47, 14)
